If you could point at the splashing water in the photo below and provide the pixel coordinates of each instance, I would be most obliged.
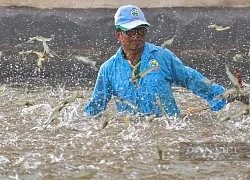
(74, 144)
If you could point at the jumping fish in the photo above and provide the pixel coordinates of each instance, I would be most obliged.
(218, 28)
(233, 79)
(24, 102)
(136, 85)
(86, 174)
(38, 53)
(151, 118)
(225, 94)
(162, 108)
(87, 61)
(38, 38)
(25, 53)
(107, 120)
(105, 123)
(144, 73)
(208, 81)
(47, 50)
(234, 115)
(51, 53)
(219, 115)
(168, 42)
(39, 63)
(237, 57)
(212, 26)
(133, 73)
(70, 99)
(41, 58)
(159, 149)
(41, 55)
(126, 102)
(127, 119)
(53, 115)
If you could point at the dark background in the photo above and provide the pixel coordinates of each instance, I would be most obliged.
(90, 32)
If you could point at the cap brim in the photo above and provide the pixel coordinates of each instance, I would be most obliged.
(134, 24)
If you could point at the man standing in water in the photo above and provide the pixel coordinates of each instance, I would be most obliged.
(134, 57)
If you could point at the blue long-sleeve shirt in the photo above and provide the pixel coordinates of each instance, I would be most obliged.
(114, 80)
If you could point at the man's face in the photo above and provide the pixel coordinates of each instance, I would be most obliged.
(133, 39)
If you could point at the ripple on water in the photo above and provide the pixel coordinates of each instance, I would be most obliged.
(74, 143)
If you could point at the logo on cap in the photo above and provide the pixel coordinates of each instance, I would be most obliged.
(134, 12)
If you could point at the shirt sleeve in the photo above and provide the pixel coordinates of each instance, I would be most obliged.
(193, 80)
(101, 95)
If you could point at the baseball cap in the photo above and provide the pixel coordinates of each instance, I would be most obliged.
(129, 17)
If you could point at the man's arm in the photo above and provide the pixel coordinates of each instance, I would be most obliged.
(101, 95)
(193, 80)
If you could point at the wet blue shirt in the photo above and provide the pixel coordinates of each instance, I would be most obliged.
(114, 80)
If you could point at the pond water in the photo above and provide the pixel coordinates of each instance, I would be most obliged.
(74, 144)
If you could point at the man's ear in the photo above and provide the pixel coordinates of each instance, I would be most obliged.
(117, 35)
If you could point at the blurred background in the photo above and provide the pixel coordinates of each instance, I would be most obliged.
(87, 29)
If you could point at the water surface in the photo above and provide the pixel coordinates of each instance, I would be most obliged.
(74, 143)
